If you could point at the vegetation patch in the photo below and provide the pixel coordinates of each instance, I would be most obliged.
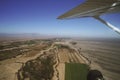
(76, 71)
(38, 69)
(18, 48)
(7, 54)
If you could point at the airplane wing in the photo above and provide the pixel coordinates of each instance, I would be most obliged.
(92, 8)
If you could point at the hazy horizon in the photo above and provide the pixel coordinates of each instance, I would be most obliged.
(12, 36)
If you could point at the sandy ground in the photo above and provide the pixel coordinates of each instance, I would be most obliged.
(62, 55)
(104, 56)
(61, 69)
(9, 67)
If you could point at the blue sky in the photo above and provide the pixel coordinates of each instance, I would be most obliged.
(39, 16)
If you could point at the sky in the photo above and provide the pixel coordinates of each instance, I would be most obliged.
(40, 16)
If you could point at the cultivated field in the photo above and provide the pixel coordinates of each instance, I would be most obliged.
(76, 71)
(68, 56)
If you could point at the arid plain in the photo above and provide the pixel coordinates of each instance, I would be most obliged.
(45, 59)
(104, 56)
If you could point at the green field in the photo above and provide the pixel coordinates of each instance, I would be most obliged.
(76, 71)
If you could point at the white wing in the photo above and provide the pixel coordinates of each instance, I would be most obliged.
(92, 8)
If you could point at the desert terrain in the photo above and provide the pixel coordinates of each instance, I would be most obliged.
(46, 59)
(104, 56)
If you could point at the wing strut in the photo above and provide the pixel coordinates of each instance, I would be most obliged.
(108, 24)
